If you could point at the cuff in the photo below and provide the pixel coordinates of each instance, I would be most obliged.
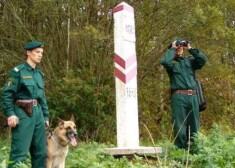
(9, 113)
(193, 50)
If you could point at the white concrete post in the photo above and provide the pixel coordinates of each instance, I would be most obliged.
(125, 76)
(126, 85)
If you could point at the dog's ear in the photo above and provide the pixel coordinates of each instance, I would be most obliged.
(72, 118)
(61, 122)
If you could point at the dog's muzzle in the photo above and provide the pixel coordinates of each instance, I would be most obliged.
(72, 136)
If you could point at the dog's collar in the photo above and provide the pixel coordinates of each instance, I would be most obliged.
(55, 139)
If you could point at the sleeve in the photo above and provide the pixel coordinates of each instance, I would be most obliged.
(1, 104)
(42, 97)
(199, 58)
(166, 61)
(9, 90)
(44, 107)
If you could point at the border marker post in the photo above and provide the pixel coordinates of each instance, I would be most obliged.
(126, 84)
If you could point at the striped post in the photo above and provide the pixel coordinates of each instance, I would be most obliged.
(126, 85)
(125, 76)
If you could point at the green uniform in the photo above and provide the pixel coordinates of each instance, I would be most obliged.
(29, 135)
(1, 105)
(185, 108)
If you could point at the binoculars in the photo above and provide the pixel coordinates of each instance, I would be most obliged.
(183, 43)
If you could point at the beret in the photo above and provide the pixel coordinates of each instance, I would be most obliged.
(33, 44)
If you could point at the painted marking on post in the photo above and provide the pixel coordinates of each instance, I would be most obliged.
(125, 63)
(125, 78)
(128, 68)
(123, 7)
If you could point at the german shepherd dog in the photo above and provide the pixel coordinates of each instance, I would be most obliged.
(57, 143)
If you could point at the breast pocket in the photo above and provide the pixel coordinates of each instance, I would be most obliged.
(29, 85)
(177, 69)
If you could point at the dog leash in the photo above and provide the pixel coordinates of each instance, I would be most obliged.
(49, 131)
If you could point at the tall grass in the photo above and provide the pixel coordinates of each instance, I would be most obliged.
(214, 150)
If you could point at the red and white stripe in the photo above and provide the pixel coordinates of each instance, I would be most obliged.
(121, 7)
(125, 70)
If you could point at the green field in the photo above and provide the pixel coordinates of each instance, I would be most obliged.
(214, 150)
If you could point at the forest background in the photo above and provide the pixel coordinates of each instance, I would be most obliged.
(78, 58)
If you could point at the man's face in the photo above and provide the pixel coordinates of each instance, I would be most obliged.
(179, 50)
(35, 55)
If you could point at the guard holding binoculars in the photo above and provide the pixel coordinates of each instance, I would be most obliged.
(184, 102)
(25, 106)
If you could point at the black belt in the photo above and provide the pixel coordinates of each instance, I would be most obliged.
(185, 92)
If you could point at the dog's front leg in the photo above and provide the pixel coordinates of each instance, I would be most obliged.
(62, 164)
(49, 162)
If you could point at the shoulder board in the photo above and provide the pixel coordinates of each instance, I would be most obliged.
(18, 68)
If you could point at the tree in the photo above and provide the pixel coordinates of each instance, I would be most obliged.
(78, 59)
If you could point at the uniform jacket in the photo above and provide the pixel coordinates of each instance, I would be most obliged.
(24, 82)
(181, 70)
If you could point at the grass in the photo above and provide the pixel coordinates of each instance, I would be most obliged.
(215, 150)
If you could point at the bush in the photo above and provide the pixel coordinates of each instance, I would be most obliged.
(216, 149)
(92, 104)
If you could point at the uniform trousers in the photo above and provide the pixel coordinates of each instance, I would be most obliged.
(185, 118)
(29, 136)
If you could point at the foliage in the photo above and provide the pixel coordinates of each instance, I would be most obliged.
(92, 105)
(216, 149)
(91, 155)
(212, 149)
(78, 58)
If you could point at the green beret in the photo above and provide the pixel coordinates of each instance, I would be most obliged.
(177, 38)
(33, 44)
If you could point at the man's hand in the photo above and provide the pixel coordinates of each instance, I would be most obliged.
(173, 45)
(189, 46)
(47, 123)
(12, 121)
